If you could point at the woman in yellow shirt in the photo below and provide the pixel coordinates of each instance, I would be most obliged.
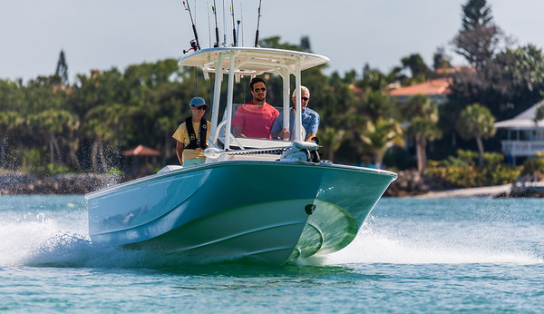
(192, 135)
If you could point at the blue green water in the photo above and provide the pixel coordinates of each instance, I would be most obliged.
(411, 256)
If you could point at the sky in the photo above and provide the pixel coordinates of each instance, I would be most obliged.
(102, 34)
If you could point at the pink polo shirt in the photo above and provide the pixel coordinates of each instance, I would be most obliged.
(255, 121)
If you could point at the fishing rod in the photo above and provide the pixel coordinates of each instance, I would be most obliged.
(234, 42)
(241, 31)
(238, 30)
(210, 26)
(196, 44)
(224, 26)
(258, 21)
(214, 10)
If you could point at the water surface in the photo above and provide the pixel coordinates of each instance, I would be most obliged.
(412, 255)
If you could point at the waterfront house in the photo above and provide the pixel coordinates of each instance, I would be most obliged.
(437, 90)
(525, 135)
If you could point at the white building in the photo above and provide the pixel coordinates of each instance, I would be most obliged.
(525, 136)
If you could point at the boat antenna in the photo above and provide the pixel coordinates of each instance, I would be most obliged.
(258, 21)
(196, 44)
(214, 10)
(234, 42)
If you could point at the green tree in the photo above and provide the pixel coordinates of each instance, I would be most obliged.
(376, 105)
(10, 122)
(476, 13)
(12, 96)
(441, 60)
(274, 42)
(479, 38)
(71, 139)
(420, 71)
(511, 83)
(166, 125)
(379, 136)
(476, 121)
(13, 108)
(374, 79)
(61, 74)
(50, 124)
(331, 139)
(422, 116)
(96, 128)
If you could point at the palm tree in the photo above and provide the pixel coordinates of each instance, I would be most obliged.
(104, 125)
(377, 105)
(422, 130)
(331, 139)
(71, 140)
(99, 131)
(47, 121)
(9, 123)
(54, 122)
(422, 116)
(476, 121)
(166, 125)
(378, 137)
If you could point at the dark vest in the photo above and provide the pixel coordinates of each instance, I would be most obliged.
(200, 140)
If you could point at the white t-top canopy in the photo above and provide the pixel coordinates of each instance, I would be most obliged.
(253, 61)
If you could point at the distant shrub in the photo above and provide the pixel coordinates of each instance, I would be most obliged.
(33, 159)
(461, 171)
(468, 177)
(53, 169)
(470, 158)
(534, 166)
(115, 171)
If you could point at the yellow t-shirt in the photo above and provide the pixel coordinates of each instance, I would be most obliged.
(182, 135)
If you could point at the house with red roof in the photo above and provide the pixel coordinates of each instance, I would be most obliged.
(437, 90)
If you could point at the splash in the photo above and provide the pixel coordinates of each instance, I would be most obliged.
(46, 245)
(437, 244)
(34, 240)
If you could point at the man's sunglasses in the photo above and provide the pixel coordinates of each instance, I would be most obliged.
(303, 98)
(201, 107)
(263, 89)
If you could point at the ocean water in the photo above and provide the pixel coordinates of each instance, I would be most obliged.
(465, 255)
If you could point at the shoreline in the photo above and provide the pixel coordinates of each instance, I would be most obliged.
(485, 191)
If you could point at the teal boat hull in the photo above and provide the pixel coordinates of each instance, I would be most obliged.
(272, 212)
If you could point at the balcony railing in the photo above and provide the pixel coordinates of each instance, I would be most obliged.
(522, 148)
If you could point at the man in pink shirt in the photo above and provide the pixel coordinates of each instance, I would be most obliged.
(255, 119)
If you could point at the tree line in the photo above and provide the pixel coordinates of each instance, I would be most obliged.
(51, 124)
